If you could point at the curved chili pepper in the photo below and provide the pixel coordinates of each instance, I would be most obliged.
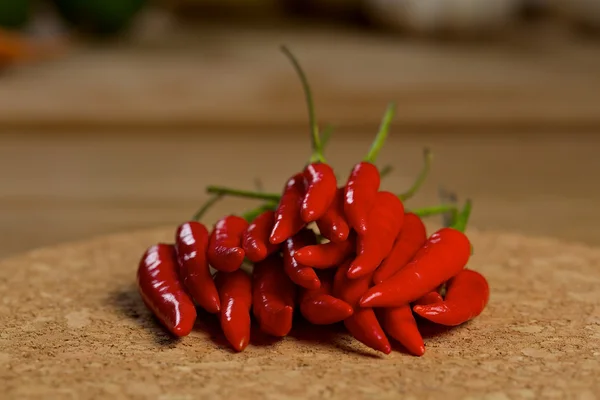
(332, 225)
(162, 291)
(363, 183)
(224, 246)
(466, 297)
(429, 298)
(319, 307)
(321, 188)
(255, 240)
(360, 193)
(363, 324)
(191, 242)
(288, 220)
(411, 238)
(399, 323)
(235, 291)
(385, 222)
(320, 180)
(273, 296)
(326, 255)
(300, 274)
(444, 255)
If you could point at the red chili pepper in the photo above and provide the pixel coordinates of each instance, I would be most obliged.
(411, 238)
(191, 242)
(444, 255)
(224, 246)
(363, 324)
(326, 255)
(466, 297)
(319, 307)
(399, 323)
(235, 290)
(429, 298)
(273, 296)
(255, 240)
(385, 222)
(288, 220)
(321, 188)
(363, 183)
(332, 225)
(319, 177)
(360, 193)
(300, 274)
(162, 291)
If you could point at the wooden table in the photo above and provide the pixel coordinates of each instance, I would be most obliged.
(63, 187)
(113, 138)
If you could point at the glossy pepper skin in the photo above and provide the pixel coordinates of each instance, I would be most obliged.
(235, 291)
(288, 220)
(384, 224)
(255, 240)
(273, 296)
(429, 298)
(332, 225)
(301, 275)
(409, 241)
(224, 246)
(444, 255)
(191, 243)
(319, 307)
(321, 187)
(326, 255)
(466, 297)
(359, 195)
(362, 324)
(162, 291)
(399, 323)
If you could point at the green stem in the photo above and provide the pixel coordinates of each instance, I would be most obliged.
(382, 135)
(317, 147)
(326, 135)
(434, 210)
(463, 217)
(385, 171)
(252, 214)
(206, 206)
(445, 196)
(225, 191)
(427, 157)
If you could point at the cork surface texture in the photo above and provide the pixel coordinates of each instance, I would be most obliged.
(73, 326)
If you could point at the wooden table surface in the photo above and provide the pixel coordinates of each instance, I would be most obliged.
(235, 78)
(64, 187)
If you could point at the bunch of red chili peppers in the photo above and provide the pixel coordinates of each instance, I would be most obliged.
(371, 265)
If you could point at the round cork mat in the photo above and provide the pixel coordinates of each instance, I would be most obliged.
(73, 326)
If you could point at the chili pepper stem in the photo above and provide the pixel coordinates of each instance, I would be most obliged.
(252, 214)
(463, 217)
(427, 157)
(382, 135)
(326, 135)
(385, 171)
(206, 206)
(317, 145)
(434, 210)
(225, 191)
(445, 196)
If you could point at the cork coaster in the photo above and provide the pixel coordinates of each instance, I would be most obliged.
(73, 326)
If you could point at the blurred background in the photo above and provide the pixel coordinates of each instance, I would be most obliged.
(115, 114)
